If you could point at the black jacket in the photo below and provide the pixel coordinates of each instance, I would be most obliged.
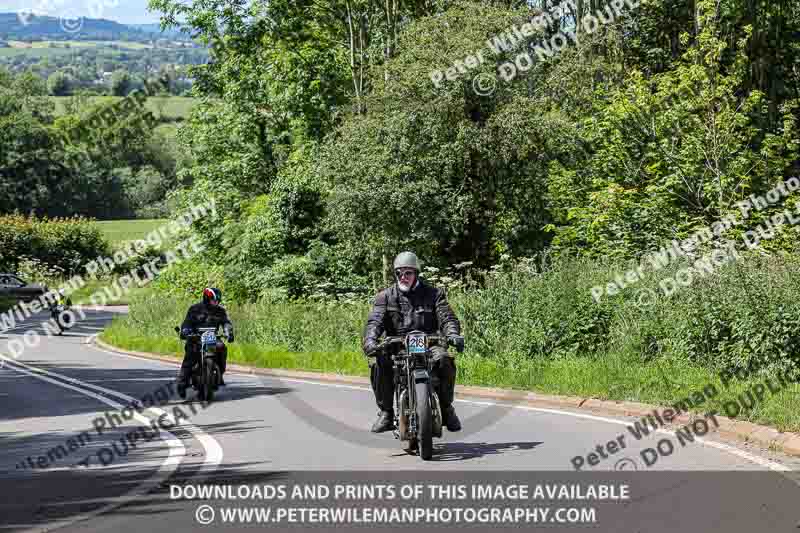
(201, 315)
(424, 308)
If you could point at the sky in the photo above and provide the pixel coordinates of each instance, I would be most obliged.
(123, 11)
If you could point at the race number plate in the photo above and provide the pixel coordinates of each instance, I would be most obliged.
(209, 337)
(416, 344)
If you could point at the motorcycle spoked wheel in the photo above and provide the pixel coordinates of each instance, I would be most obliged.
(424, 421)
(201, 384)
(208, 384)
(63, 325)
(437, 415)
(409, 444)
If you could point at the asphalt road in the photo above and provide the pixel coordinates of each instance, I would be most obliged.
(72, 457)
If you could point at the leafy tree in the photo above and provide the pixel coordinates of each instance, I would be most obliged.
(121, 83)
(58, 84)
(324, 141)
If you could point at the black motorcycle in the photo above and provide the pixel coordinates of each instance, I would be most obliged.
(417, 412)
(205, 374)
(62, 318)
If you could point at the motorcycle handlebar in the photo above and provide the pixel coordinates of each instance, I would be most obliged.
(401, 339)
(193, 335)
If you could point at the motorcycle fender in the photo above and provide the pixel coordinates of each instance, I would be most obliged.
(421, 376)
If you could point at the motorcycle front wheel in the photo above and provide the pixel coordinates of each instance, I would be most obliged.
(424, 421)
(208, 385)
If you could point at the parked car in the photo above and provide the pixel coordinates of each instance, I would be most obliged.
(12, 286)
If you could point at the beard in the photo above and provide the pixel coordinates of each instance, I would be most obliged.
(405, 287)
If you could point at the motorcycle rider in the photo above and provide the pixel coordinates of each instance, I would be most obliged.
(411, 304)
(208, 313)
(61, 299)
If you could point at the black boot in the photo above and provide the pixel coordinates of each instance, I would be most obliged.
(221, 381)
(385, 422)
(450, 419)
(183, 383)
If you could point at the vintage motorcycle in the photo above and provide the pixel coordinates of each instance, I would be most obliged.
(417, 412)
(205, 373)
(58, 315)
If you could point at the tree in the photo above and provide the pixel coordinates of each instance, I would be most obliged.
(59, 84)
(121, 83)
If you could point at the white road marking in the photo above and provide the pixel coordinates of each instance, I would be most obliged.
(214, 453)
(167, 468)
(720, 446)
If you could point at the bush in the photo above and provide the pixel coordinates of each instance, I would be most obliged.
(743, 316)
(139, 259)
(6, 304)
(66, 244)
(186, 279)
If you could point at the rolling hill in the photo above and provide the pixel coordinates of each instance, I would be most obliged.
(15, 27)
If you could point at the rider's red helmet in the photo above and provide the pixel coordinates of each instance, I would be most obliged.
(211, 294)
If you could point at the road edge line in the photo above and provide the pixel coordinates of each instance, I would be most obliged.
(730, 430)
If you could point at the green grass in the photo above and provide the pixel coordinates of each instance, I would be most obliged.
(326, 337)
(245, 353)
(611, 378)
(97, 288)
(122, 231)
(169, 107)
(35, 52)
(173, 107)
(6, 304)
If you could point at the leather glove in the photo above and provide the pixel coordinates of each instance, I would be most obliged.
(185, 333)
(457, 341)
(230, 337)
(371, 349)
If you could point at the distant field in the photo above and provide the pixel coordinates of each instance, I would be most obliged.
(55, 48)
(35, 52)
(78, 44)
(170, 106)
(120, 231)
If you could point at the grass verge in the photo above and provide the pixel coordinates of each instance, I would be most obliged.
(108, 293)
(612, 377)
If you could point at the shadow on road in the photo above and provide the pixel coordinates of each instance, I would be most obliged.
(138, 383)
(463, 451)
(94, 322)
(45, 453)
(67, 495)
